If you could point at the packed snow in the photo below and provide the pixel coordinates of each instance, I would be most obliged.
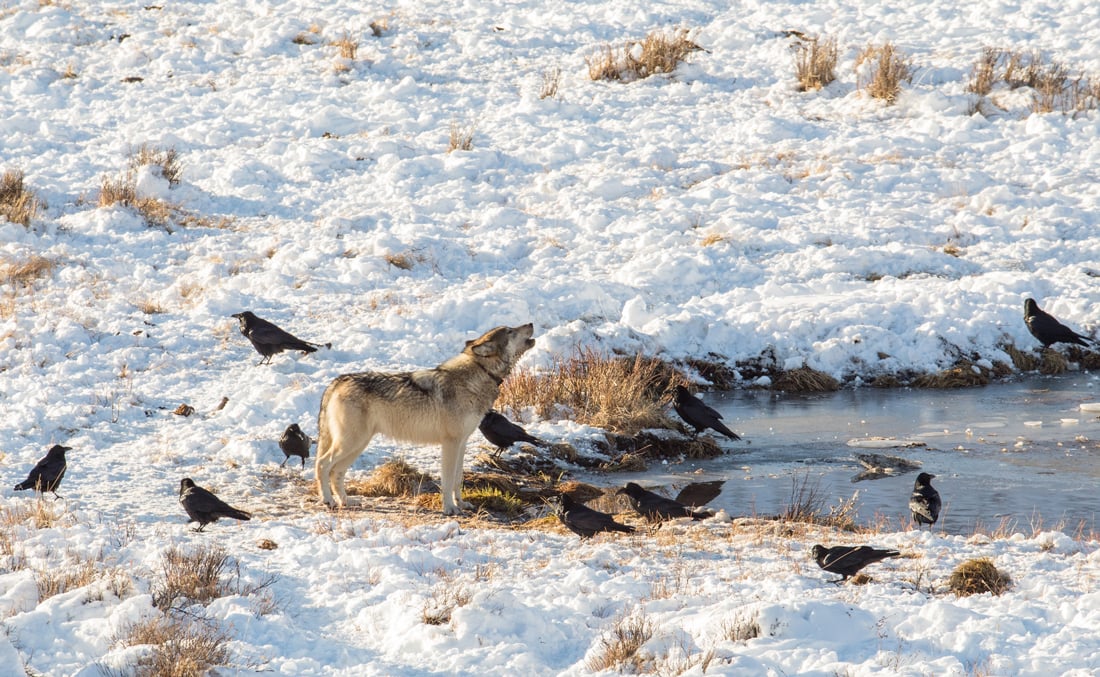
(715, 212)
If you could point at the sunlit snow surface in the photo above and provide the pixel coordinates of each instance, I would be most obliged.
(714, 211)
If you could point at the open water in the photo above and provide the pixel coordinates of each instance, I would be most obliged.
(1024, 453)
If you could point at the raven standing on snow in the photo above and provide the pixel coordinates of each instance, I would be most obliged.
(1048, 330)
(698, 415)
(268, 339)
(204, 507)
(47, 473)
(925, 501)
(847, 560)
(294, 442)
(655, 507)
(584, 521)
(502, 433)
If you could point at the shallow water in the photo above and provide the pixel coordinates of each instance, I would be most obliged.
(1021, 453)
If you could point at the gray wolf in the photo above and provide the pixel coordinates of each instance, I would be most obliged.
(440, 406)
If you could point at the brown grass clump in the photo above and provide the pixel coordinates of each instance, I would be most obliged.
(964, 374)
(659, 52)
(741, 628)
(179, 646)
(194, 576)
(983, 75)
(24, 273)
(347, 46)
(393, 478)
(975, 576)
(1052, 362)
(18, 203)
(54, 580)
(580, 491)
(1053, 87)
(166, 158)
(551, 80)
(403, 261)
(815, 63)
(461, 138)
(1022, 361)
(807, 504)
(645, 445)
(484, 498)
(1088, 359)
(805, 380)
(889, 68)
(122, 189)
(619, 647)
(621, 394)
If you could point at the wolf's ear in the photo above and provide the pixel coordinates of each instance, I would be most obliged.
(482, 347)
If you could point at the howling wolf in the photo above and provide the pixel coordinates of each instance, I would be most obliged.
(440, 406)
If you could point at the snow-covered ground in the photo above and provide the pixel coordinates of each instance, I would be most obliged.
(715, 212)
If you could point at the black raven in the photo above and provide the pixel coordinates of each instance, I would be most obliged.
(294, 442)
(584, 521)
(699, 415)
(502, 433)
(924, 503)
(655, 507)
(47, 473)
(268, 339)
(1048, 330)
(847, 560)
(204, 507)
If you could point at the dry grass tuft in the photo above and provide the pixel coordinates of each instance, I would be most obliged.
(395, 477)
(18, 203)
(975, 576)
(446, 597)
(805, 380)
(1022, 361)
(659, 52)
(403, 261)
(619, 648)
(122, 189)
(346, 46)
(1052, 362)
(889, 67)
(983, 75)
(39, 514)
(1053, 88)
(54, 580)
(483, 497)
(621, 394)
(179, 646)
(461, 138)
(815, 63)
(580, 491)
(964, 374)
(741, 628)
(807, 503)
(24, 273)
(551, 81)
(194, 576)
(166, 158)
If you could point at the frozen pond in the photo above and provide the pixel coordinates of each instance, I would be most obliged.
(1023, 452)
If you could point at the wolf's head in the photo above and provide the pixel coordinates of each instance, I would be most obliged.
(503, 345)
